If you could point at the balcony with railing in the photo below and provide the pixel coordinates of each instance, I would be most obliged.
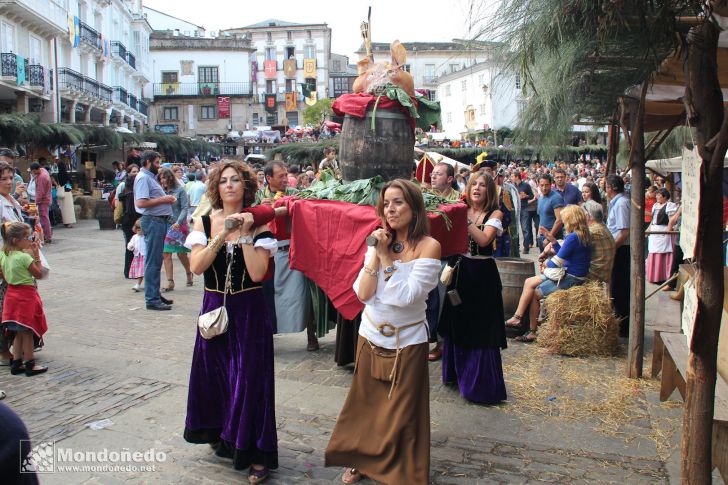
(89, 35)
(120, 95)
(143, 108)
(105, 93)
(131, 59)
(203, 89)
(119, 49)
(35, 75)
(9, 64)
(90, 87)
(428, 79)
(133, 101)
(70, 79)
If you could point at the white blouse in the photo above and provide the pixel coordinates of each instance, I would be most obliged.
(200, 238)
(400, 301)
(137, 245)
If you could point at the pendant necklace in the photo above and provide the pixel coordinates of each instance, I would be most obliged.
(398, 247)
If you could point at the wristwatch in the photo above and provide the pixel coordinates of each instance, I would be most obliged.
(245, 240)
(388, 271)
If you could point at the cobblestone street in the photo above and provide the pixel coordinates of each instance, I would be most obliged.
(566, 420)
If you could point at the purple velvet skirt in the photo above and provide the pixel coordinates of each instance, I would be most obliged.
(231, 400)
(478, 373)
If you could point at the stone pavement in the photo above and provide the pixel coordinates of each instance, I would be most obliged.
(566, 420)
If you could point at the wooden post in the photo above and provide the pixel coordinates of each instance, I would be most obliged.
(612, 148)
(704, 103)
(636, 346)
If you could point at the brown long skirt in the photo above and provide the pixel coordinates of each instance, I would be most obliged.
(386, 439)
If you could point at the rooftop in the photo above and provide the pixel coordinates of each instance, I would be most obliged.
(274, 23)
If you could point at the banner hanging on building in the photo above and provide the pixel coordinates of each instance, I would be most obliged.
(309, 68)
(289, 68)
(223, 107)
(270, 103)
(311, 100)
(291, 101)
(254, 71)
(20, 63)
(270, 68)
(691, 164)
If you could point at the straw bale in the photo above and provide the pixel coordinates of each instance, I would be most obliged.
(580, 322)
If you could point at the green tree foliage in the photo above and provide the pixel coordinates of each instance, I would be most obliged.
(316, 114)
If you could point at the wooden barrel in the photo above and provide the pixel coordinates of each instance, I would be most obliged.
(513, 273)
(105, 215)
(387, 150)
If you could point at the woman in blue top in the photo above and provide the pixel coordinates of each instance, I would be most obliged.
(178, 229)
(573, 255)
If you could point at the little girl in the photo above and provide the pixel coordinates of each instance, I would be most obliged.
(136, 244)
(22, 308)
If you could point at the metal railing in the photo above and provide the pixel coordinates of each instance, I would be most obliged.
(133, 101)
(89, 35)
(131, 59)
(35, 75)
(9, 64)
(143, 108)
(119, 49)
(105, 92)
(429, 79)
(68, 78)
(203, 89)
(90, 87)
(120, 95)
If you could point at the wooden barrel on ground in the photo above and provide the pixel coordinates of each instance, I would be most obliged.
(513, 273)
(105, 215)
(387, 150)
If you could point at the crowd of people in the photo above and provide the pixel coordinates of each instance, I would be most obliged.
(216, 219)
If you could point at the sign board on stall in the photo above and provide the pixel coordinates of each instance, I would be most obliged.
(691, 164)
(690, 308)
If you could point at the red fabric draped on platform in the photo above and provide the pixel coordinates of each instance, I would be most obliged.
(356, 104)
(328, 243)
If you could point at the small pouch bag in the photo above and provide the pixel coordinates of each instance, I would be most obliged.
(382, 363)
(448, 272)
(215, 322)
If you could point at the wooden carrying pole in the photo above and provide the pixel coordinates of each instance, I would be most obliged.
(704, 103)
(636, 348)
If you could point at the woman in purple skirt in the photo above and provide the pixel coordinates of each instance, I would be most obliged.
(473, 329)
(231, 397)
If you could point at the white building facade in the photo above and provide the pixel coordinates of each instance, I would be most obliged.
(287, 56)
(479, 97)
(75, 61)
(201, 86)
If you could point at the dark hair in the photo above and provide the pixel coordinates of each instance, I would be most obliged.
(329, 150)
(191, 177)
(545, 176)
(129, 167)
(167, 174)
(561, 171)
(517, 174)
(294, 170)
(149, 156)
(449, 168)
(268, 169)
(34, 166)
(13, 233)
(664, 192)
(491, 201)
(250, 182)
(595, 195)
(419, 226)
(616, 183)
(5, 167)
(7, 152)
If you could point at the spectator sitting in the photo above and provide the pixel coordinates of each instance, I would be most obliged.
(602, 243)
(573, 256)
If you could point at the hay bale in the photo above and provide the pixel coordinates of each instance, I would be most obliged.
(580, 322)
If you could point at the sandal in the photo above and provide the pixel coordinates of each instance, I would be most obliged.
(258, 476)
(514, 321)
(2, 395)
(189, 278)
(351, 475)
(170, 286)
(527, 338)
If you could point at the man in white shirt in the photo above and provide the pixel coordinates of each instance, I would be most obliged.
(195, 190)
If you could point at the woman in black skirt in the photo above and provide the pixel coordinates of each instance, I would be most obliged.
(472, 325)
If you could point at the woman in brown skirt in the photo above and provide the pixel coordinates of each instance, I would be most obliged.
(383, 431)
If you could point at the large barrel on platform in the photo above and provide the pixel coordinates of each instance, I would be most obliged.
(387, 150)
(513, 273)
(105, 215)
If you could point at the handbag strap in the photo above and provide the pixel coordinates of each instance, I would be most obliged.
(227, 275)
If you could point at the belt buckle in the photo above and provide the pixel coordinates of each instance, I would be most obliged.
(387, 329)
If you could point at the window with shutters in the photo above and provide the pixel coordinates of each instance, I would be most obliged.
(207, 74)
(170, 113)
(208, 112)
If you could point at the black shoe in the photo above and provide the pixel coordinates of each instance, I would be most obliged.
(158, 306)
(525, 250)
(166, 301)
(16, 367)
(30, 369)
